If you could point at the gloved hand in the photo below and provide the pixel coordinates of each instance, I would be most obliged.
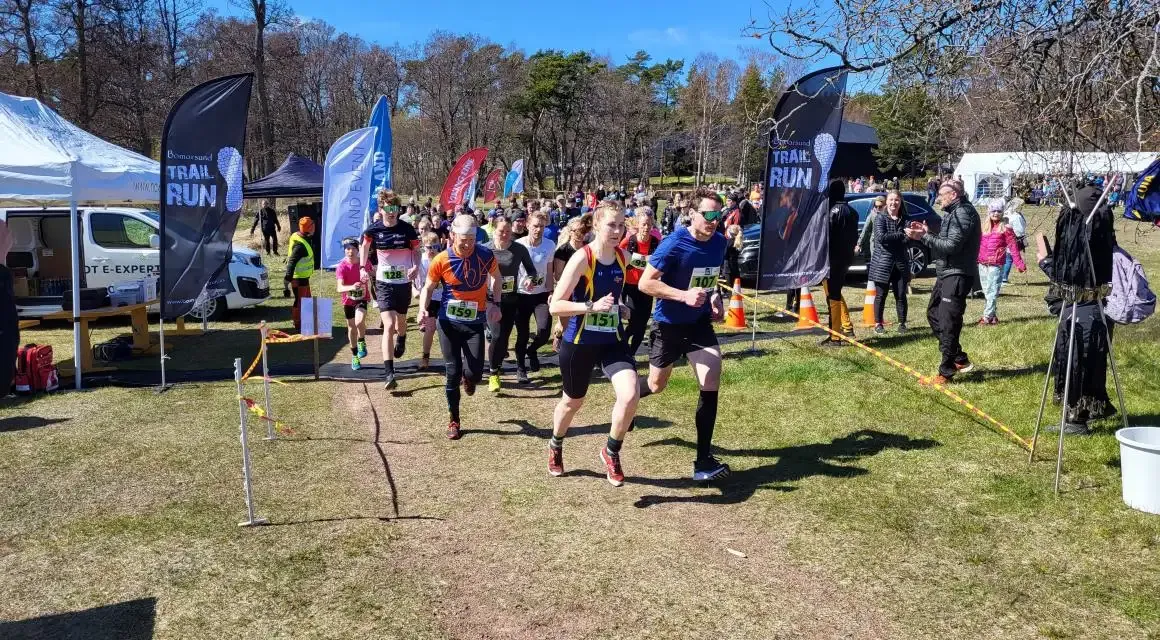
(285, 292)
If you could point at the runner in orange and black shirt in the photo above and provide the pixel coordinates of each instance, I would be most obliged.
(465, 272)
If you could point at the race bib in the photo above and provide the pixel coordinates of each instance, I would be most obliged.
(509, 284)
(639, 261)
(606, 322)
(704, 278)
(357, 293)
(392, 274)
(533, 282)
(462, 310)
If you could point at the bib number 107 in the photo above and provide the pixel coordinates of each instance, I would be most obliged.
(704, 278)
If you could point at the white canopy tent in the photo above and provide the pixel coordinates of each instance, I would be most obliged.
(989, 175)
(46, 160)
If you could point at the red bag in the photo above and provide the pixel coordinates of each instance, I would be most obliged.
(35, 371)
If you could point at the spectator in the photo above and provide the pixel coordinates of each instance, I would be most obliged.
(267, 219)
(955, 250)
(1013, 216)
(996, 244)
(843, 238)
(865, 247)
(889, 268)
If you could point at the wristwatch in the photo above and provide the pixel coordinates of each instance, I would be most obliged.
(588, 306)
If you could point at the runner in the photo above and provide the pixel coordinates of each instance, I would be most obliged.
(514, 261)
(533, 298)
(352, 284)
(462, 272)
(587, 300)
(640, 244)
(520, 221)
(397, 247)
(431, 248)
(682, 276)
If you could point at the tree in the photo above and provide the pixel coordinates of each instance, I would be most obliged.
(911, 135)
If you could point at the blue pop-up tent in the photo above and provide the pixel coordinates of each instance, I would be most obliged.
(298, 177)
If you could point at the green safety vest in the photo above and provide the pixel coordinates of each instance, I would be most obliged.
(304, 268)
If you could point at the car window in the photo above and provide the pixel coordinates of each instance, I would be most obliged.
(118, 231)
(862, 207)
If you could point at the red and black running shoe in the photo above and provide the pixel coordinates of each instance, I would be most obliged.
(468, 386)
(612, 468)
(556, 461)
(453, 430)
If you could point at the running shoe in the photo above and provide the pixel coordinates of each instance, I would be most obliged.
(362, 348)
(879, 329)
(556, 460)
(533, 362)
(355, 363)
(424, 362)
(983, 321)
(468, 386)
(400, 346)
(902, 327)
(709, 469)
(966, 366)
(453, 430)
(522, 376)
(493, 383)
(389, 382)
(994, 319)
(612, 469)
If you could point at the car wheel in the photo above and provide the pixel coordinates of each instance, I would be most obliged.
(917, 258)
(215, 309)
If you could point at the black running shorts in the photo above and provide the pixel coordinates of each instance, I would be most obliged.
(393, 297)
(348, 309)
(578, 360)
(668, 342)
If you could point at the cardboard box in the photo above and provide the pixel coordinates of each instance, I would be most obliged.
(20, 287)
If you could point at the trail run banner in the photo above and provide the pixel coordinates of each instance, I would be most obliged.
(802, 144)
(348, 185)
(381, 120)
(515, 179)
(461, 178)
(202, 147)
(491, 185)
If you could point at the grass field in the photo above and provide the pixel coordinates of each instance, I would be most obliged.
(861, 506)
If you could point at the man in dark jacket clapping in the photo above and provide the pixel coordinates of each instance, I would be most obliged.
(956, 251)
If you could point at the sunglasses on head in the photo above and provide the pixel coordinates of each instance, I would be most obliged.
(710, 215)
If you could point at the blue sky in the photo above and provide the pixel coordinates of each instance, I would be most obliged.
(613, 28)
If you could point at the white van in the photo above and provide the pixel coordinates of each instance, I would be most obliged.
(117, 245)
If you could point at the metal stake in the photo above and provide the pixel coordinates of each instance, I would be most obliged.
(251, 520)
(1066, 397)
(1046, 382)
(270, 435)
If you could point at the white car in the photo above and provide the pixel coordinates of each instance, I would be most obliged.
(118, 245)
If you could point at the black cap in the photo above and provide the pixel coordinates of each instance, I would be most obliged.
(350, 242)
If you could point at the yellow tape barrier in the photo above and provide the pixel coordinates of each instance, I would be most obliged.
(922, 380)
(280, 337)
(257, 410)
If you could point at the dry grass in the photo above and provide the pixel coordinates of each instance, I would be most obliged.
(867, 508)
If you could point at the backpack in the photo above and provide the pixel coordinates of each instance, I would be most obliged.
(1131, 300)
(34, 369)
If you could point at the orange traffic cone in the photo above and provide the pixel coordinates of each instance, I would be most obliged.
(735, 317)
(808, 315)
(868, 304)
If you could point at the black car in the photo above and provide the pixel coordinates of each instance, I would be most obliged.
(917, 210)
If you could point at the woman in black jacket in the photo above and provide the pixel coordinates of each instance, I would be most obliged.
(889, 265)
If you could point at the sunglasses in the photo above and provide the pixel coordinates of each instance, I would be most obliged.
(710, 215)
(391, 209)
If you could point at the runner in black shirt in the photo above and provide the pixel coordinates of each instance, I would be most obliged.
(396, 244)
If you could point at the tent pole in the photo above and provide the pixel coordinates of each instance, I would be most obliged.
(74, 238)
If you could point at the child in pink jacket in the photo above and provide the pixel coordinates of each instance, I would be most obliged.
(998, 239)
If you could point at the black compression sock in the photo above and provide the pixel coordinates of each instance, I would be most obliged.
(453, 403)
(643, 388)
(613, 445)
(556, 443)
(354, 351)
(388, 366)
(706, 418)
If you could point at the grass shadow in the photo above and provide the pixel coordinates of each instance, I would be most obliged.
(129, 620)
(382, 454)
(831, 459)
(21, 423)
(351, 518)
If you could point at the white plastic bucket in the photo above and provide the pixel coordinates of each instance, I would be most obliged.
(1140, 467)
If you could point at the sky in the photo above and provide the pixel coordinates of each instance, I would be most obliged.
(678, 29)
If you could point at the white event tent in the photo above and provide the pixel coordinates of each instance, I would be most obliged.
(989, 175)
(46, 160)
